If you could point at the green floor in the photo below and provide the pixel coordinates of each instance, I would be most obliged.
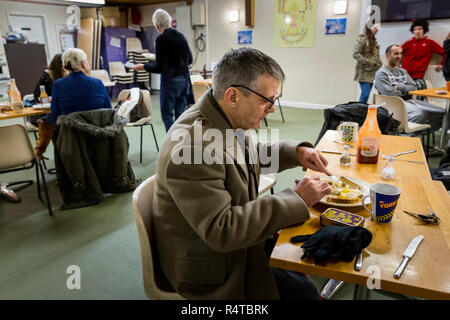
(36, 250)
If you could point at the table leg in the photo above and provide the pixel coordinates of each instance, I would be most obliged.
(445, 126)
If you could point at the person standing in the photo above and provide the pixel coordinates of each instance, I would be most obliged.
(446, 69)
(366, 53)
(173, 58)
(417, 52)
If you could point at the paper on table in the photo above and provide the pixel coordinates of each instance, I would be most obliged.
(130, 65)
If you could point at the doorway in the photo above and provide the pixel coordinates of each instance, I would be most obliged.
(32, 25)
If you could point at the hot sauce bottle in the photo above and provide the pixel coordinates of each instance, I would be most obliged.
(369, 138)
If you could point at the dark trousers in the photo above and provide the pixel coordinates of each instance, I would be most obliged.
(173, 100)
(291, 285)
(365, 91)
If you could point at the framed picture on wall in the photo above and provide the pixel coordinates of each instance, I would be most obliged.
(67, 37)
(336, 26)
(245, 37)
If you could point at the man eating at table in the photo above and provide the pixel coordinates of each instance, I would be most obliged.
(209, 223)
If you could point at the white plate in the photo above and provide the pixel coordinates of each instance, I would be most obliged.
(364, 185)
(42, 106)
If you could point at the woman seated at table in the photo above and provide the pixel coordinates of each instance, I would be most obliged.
(53, 72)
(76, 92)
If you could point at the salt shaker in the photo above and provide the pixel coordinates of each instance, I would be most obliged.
(345, 157)
(388, 170)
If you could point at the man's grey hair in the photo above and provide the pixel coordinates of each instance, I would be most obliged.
(162, 19)
(243, 66)
(71, 59)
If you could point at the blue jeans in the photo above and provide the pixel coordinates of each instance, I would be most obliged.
(173, 100)
(365, 91)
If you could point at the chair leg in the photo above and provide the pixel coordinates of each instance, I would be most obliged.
(38, 182)
(271, 191)
(281, 110)
(44, 183)
(140, 156)
(428, 144)
(265, 121)
(154, 136)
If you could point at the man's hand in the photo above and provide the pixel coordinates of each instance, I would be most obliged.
(139, 67)
(311, 189)
(312, 159)
(439, 68)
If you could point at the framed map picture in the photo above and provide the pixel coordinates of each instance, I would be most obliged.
(294, 23)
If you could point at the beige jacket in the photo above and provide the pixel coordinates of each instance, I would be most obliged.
(209, 224)
(367, 62)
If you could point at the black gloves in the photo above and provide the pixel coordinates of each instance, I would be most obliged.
(334, 242)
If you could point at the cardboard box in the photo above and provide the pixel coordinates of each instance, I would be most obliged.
(109, 12)
(88, 13)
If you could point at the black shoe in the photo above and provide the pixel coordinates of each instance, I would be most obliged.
(436, 152)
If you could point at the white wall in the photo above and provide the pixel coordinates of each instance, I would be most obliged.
(321, 75)
(54, 14)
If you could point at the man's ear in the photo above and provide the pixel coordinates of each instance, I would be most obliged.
(231, 97)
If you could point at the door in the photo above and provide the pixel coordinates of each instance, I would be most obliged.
(33, 26)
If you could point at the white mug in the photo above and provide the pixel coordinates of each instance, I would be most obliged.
(348, 131)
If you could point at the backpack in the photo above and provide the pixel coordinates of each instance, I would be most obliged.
(443, 172)
(356, 112)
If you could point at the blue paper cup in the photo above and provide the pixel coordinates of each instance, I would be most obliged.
(384, 198)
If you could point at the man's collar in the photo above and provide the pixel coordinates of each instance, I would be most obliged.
(218, 108)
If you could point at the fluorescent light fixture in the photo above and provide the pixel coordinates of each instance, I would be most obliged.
(233, 15)
(340, 7)
(87, 1)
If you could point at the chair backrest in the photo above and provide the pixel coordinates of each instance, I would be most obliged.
(396, 106)
(15, 147)
(156, 284)
(196, 77)
(429, 84)
(116, 67)
(134, 44)
(101, 74)
(146, 100)
(199, 90)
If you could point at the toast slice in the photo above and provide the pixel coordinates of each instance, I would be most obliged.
(345, 192)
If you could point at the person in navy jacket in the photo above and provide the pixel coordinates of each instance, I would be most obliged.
(76, 92)
(173, 58)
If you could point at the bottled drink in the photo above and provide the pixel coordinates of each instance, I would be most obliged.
(43, 95)
(369, 138)
(13, 92)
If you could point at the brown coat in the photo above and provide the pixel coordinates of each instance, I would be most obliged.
(209, 224)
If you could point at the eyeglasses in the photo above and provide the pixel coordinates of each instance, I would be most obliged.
(272, 102)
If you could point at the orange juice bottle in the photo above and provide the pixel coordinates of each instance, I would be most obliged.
(43, 95)
(13, 92)
(369, 138)
(448, 85)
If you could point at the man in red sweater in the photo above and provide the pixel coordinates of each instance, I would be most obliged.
(417, 51)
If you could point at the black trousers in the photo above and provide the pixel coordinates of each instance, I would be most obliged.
(291, 285)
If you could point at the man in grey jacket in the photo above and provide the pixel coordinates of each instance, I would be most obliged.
(391, 80)
(209, 223)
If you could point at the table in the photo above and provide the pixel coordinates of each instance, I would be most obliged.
(431, 93)
(26, 112)
(427, 275)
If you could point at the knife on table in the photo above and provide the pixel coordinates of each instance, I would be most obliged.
(408, 254)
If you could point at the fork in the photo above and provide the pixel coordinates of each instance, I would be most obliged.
(384, 156)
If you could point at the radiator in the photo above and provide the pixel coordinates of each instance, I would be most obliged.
(436, 78)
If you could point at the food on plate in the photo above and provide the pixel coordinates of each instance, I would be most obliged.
(344, 191)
